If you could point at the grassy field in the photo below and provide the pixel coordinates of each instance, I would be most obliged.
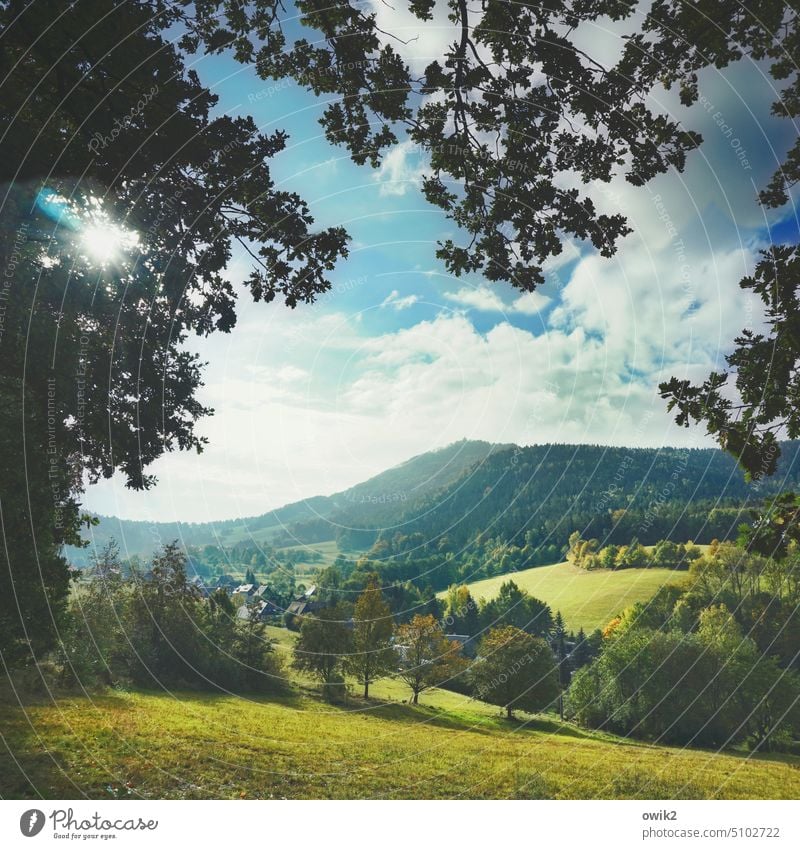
(192, 745)
(134, 744)
(188, 745)
(585, 599)
(328, 552)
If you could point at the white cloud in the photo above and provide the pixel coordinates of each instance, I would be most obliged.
(402, 168)
(477, 297)
(530, 303)
(394, 300)
(483, 299)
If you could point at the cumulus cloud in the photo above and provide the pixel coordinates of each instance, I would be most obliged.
(477, 297)
(484, 299)
(401, 169)
(398, 302)
(530, 303)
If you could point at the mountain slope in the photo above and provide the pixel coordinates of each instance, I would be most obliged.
(534, 496)
(370, 504)
(539, 495)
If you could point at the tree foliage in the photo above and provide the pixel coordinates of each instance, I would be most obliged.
(427, 657)
(324, 644)
(513, 606)
(515, 671)
(153, 628)
(373, 654)
(714, 662)
(513, 106)
(110, 138)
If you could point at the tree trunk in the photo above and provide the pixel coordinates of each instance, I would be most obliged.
(509, 712)
(416, 697)
(366, 689)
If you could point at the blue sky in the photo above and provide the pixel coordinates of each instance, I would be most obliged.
(400, 358)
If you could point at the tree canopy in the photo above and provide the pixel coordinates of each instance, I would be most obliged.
(123, 195)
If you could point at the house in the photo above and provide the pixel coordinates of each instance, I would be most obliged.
(302, 608)
(468, 644)
(306, 603)
(227, 583)
(245, 590)
(262, 610)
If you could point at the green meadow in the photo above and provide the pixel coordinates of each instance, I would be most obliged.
(190, 745)
(586, 600)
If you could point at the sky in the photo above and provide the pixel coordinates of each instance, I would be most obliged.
(400, 357)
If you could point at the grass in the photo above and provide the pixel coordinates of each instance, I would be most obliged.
(586, 600)
(135, 744)
(328, 552)
(189, 745)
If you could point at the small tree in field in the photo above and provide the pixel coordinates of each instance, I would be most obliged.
(373, 655)
(515, 671)
(428, 657)
(325, 640)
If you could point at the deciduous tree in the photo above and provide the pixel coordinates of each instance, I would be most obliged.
(427, 657)
(515, 671)
(123, 196)
(324, 644)
(373, 654)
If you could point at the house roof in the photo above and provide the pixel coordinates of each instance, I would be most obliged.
(261, 608)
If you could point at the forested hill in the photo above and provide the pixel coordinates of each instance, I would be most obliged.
(534, 497)
(538, 495)
(373, 503)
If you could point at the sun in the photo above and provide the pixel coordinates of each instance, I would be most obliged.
(105, 242)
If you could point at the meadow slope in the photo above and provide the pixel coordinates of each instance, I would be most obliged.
(188, 745)
(586, 600)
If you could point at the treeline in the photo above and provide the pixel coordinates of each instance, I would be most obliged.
(261, 558)
(505, 651)
(665, 554)
(538, 495)
(713, 663)
(152, 627)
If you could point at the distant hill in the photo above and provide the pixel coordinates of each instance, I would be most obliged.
(370, 504)
(547, 491)
(533, 496)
